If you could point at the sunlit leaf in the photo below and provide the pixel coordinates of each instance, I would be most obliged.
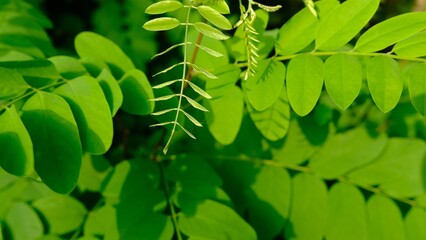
(414, 46)
(163, 7)
(214, 17)
(161, 24)
(417, 87)
(24, 222)
(11, 84)
(210, 31)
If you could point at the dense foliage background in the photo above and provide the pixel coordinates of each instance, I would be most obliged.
(357, 173)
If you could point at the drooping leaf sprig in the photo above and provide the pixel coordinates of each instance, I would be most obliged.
(211, 11)
(251, 36)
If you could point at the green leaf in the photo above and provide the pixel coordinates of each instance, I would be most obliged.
(163, 7)
(269, 78)
(344, 22)
(347, 214)
(94, 170)
(274, 121)
(102, 222)
(136, 93)
(91, 111)
(210, 31)
(415, 220)
(11, 84)
(92, 45)
(384, 219)
(212, 219)
(305, 76)
(68, 67)
(62, 213)
(336, 158)
(270, 202)
(221, 6)
(48, 119)
(24, 222)
(384, 81)
(161, 24)
(343, 79)
(309, 209)
(391, 31)
(417, 87)
(15, 144)
(298, 32)
(36, 73)
(412, 47)
(398, 169)
(214, 17)
(111, 90)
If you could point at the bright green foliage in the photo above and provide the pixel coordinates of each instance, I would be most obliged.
(344, 22)
(339, 168)
(305, 76)
(384, 81)
(343, 79)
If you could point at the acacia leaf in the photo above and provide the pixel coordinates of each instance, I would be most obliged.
(210, 31)
(412, 47)
(384, 79)
(15, 144)
(305, 77)
(214, 17)
(274, 121)
(111, 90)
(163, 7)
(264, 88)
(91, 112)
(298, 32)
(12, 84)
(347, 216)
(344, 22)
(417, 87)
(161, 24)
(391, 31)
(49, 119)
(137, 92)
(343, 79)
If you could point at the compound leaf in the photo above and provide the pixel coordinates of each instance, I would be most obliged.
(54, 133)
(305, 77)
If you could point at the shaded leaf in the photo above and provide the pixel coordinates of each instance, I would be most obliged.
(384, 219)
(91, 111)
(417, 87)
(62, 213)
(264, 88)
(136, 93)
(415, 220)
(15, 144)
(347, 216)
(111, 90)
(49, 119)
(11, 84)
(24, 222)
(307, 217)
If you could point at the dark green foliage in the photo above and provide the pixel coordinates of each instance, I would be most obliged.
(309, 129)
